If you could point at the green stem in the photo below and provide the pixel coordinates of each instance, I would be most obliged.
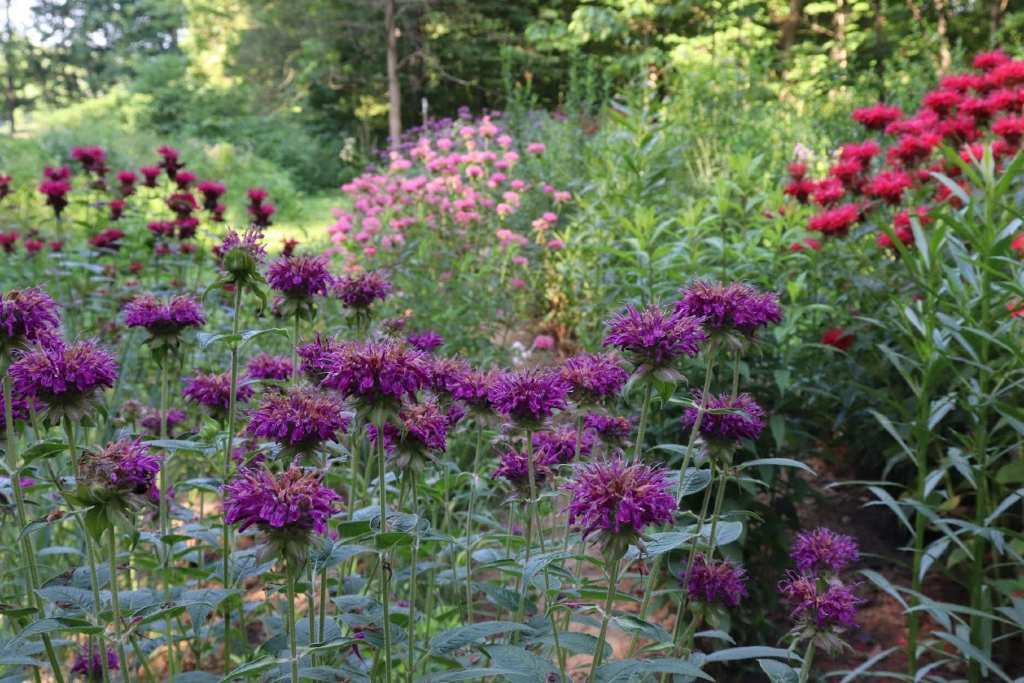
(226, 472)
(164, 512)
(292, 640)
(469, 523)
(642, 427)
(116, 605)
(692, 552)
(295, 347)
(410, 653)
(645, 602)
(723, 479)
(609, 601)
(26, 542)
(805, 668)
(310, 602)
(695, 432)
(385, 573)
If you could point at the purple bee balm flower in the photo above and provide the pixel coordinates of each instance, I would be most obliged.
(594, 377)
(376, 373)
(27, 315)
(735, 306)
(609, 428)
(265, 366)
(124, 466)
(88, 665)
(241, 255)
(289, 502)
(528, 396)
(163, 317)
(425, 425)
(454, 414)
(426, 341)
(443, 372)
(710, 582)
(559, 445)
(151, 420)
(213, 391)
(654, 339)
(299, 277)
(823, 549)
(727, 419)
(615, 497)
(472, 387)
(61, 376)
(314, 357)
(820, 604)
(360, 291)
(21, 409)
(514, 468)
(300, 418)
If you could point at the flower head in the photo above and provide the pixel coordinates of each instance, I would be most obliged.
(151, 420)
(292, 502)
(88, 665)
(241, 255)
(652, 338)
(594, 377)
(360, 291)
(315, 356)
(163, 318)
(713, 581)
(376, 373)
(213, 391)
(56, 192)
(301, 418)
(835, 221)
(877, 116)
(618, 498)
(726, 419)
(426, 341)
(121, 467)
(823, 549)
(109, 239)
(560, 445)
(299, 277)
(610, 428)
(514, 468)
(528, 396)
(472, 387)
(735, 306)
(265, 366)
(27, 315)
(64, 377)
(838, 338)
(827, 606)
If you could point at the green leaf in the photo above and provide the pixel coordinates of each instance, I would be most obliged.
(43, 450)
(635, 625)
(777, 462)
(625, 670)
(529, 667)
(250, 669)
(465, 675)
(199, 603)
(461, 636)
(735, 654)
(695, 480)
(779, 672)
(971, 652)
(250, 335)
(866, 666)
(538, 563)
(575, 642)
(177, 445)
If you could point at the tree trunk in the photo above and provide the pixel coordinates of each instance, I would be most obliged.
(880, 45)
(394, 86)
(790, 26)
(840, 18)
(996, 13)
(11, 93)
(942, 29)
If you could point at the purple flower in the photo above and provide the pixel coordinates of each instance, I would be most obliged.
(163, 318)
(315, 356)
(472, 387)
(820, 603)
(376, 372)
(292, 501)
(559, 445)
(727, 419)
(652, 338)
(301, 418)
(821, 549)
(265, 366)
(63, 376)
(299, 277)
(610, 428)
(151, 420)
(594, 377)
(426, 425)
(213, 390)
(514, 468)
(736, 306)
(360, 291)
(88, 665)
(21, 409)
(426, 341)
(528, 396)
(124, 466)
(443, 373)
(241, 255)
(616, 497)
(27, 315)
(716, 582)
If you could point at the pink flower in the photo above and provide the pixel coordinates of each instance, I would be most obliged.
(543, 342)
(536, 148)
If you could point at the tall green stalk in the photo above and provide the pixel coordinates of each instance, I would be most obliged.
(469, 523)
(642, 426)
(32, 582)
(385, 573)
(292, 640)
(410, 654)
(226, 470)
(612, 570)
(116, 606)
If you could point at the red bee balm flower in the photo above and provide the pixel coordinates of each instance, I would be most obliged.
(838, 338)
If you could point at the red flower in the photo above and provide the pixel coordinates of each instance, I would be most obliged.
(828, 192)
(1008, 74)
(942, 102)
(837, 337)
(149, 175)
(1016, 309)
(797, 170)
(835, 221)
(1009, 127)
(847, 172)
(961, 82)
(1002, 100)
(877, 116)
(34, 246)
(986, 61)
(1018, 244)
(8, 241)
(862, 151)
(959, 128)
(889, 185)
(901, 226)
(912, 149)
(56, 246)
(116, 209)
(805, 243)
(107, 239)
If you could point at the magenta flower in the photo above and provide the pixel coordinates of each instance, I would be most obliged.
(528, 396)
(63, 377)
(653, 339)
(88, 665)
(472, 387)
(301, 418)
(240, 256)
(559, 445)
(314, 357)
(212, 191)
(213, 391)
(124, 466)
(594, 377)
(358, 292)
(292, 502)
(823, 549)
(170, 160)
(735, 306)
(426, 341)
(376, 373)
(151, 420)
(425, 425)
(92, 158)
(721, 581)
(727, 419)
(163, 318)
(56, 192)
(611, 429)
(21, 409)
(299, 277)
(823, 605)
(615, 497)
(27, 315)
(265, 366)
(514, 468)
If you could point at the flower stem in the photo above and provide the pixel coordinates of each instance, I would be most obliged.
(292, 640)
(723, 479)
(805, 668)
(116, 605)
(385, 570)
(642, 427)
(226, 471)
(469, 523)
(695, 432)
(26, 543)
(295, 347)
(410, 654)
(609, 601)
